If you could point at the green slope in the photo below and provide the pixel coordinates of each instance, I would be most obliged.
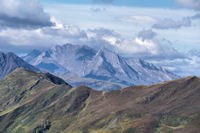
(33, 102)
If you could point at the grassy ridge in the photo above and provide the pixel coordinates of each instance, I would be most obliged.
(42, 103)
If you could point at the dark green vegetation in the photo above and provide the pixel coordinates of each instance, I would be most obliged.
(33, 102)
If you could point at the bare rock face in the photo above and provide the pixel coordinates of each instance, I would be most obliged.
(10, 61)
(96, 67)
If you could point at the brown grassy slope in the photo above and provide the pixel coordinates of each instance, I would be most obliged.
(23, 93)
(148, 105)
(34, 102)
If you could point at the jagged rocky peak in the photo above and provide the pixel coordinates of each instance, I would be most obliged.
(9, 62)
(34, 53)
(103, 64)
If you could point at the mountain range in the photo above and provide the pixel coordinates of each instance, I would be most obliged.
(9, 62)
(43, 103)
(103, 65)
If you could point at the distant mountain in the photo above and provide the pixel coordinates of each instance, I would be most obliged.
(10, 61)
(102, 85)
(109, 66)
(104, 65)
(148, 71)
(33, 102)
(32, 55)
(63, 59)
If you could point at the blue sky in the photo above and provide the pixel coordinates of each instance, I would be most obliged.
(134, 3)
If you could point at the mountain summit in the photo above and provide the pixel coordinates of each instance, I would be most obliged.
(103, 64)
(107, 65)
(10, 61)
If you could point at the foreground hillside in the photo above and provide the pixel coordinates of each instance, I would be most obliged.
(35, 102)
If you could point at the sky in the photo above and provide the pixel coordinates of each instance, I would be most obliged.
(133, 3)
(164, 32)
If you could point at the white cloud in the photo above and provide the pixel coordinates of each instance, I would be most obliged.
(196, 16)
(139, 19)
(193, 4)
(98, 9)
(172, 24)
(72, 32)
(23, 14)
(149, 49)
(183, 67)
(147, 34)
(144, 46)
(112, 18)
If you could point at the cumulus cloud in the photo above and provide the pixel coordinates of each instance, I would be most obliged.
(196, 16)
(101, 37)
(72, 32)
(193, 4)
(183, 67)
(139, 19)
(147, 34)
(23, 14)
(172, 24)
(145, 45)
(157, 49)
(194, 52)
(28, 38)
(102, 32)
